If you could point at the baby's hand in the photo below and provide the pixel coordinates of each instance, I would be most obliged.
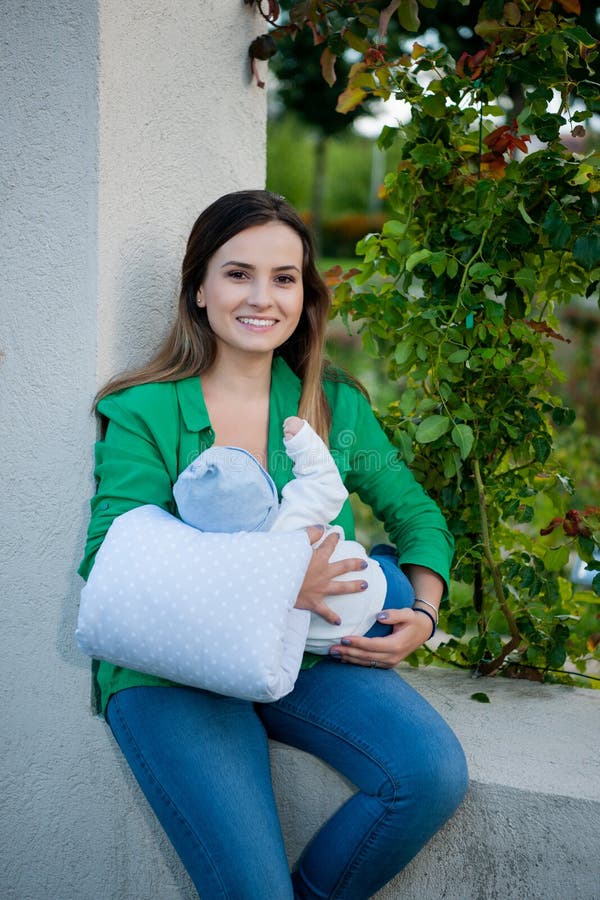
(292, 426)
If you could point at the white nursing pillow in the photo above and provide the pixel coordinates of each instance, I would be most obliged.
(213, 611)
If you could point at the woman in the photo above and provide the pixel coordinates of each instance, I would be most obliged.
(245, 353)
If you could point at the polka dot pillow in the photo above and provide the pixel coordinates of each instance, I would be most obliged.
(213, 611)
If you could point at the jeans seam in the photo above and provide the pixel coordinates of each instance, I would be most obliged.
(163, 793)
(367, 839)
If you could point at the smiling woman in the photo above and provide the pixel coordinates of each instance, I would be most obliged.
(245, 354)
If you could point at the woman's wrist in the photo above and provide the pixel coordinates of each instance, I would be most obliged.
(424, 612)
(425, 605)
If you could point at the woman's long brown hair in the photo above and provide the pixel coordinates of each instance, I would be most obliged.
(190, 347)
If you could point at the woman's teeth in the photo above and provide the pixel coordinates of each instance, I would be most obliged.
(260, 323)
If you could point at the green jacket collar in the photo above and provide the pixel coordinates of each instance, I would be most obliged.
(286, 388)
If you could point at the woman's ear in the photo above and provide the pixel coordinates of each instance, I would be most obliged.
(200, 298)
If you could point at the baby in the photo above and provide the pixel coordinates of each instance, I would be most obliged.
(225, 489)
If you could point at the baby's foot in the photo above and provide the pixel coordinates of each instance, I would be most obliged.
(292, 426)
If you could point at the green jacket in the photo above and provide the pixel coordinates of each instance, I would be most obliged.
(156, 430)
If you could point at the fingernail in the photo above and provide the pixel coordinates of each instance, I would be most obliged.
(346, 642)
(335, 653)
(363, 585)
(320, 527)
(338, 621)
(364, 564)
(382, 615)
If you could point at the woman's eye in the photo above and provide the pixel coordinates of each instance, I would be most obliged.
(285, 279)
(236, 275)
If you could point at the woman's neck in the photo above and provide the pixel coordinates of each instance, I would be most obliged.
(246, 379)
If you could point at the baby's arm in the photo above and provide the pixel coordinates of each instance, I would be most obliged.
(316, 494)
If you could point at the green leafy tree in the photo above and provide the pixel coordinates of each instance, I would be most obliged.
(493, 228)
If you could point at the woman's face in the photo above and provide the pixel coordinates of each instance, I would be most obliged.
(253, 291)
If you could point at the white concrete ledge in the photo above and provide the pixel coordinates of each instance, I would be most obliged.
(529, 828)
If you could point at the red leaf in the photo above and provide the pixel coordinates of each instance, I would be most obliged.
(328, 66)
(333, 276)
(262, 47)
(574, 524)
(571, 6)
(554, 523)
(543, 328)
(317, 37)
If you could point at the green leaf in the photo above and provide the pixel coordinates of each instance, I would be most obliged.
(526, 279)
(393, 228)
(480, 697)
(526, 217)
(404, 443)
(387, 136)
(427, 154)
(556, 227)
(449, 465)
(459, 356)
(586, 251)
(408, 13)
(403, 351)
(557, 656)
(434, 105)
(463, 437)
(370, 344)
(480, 271)
(556, 559)
(452, 267)
(438, 263)
(579, 35)
(408, 401)
(541, 448)
(432, 428)
(417, 257)
(355, 41)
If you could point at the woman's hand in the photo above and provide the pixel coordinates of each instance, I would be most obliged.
(319, 579)
(410, 630)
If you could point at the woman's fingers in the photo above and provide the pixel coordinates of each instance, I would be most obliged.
(320, 578)
(321, 609)
(314, 532)
(408, 633)
(342, 566)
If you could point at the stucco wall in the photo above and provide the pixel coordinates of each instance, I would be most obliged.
(118, 123)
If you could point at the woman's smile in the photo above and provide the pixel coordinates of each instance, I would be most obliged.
(259, 324)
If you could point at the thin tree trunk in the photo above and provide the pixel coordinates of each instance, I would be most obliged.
(318, 191)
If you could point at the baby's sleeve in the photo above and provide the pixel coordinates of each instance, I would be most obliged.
(316, 494)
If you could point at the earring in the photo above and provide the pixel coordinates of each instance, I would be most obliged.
(199, 299)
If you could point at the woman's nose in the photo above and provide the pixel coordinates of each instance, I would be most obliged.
(260, 296)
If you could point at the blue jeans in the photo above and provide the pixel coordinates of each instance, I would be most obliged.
(202, 761)
(400, 593)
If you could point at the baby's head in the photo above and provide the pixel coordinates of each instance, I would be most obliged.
(224, 490)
